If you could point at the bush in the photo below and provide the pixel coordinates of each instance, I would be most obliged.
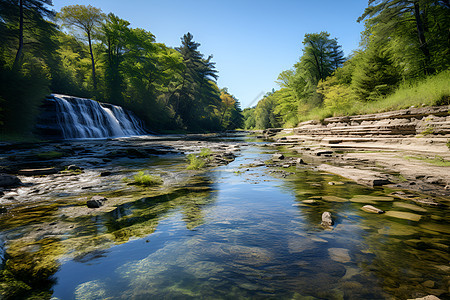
(146, 180)
(195, 162)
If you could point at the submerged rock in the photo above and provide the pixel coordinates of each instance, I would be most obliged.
(404, 215)
(7, 180)
(326, 219)
(372, 209)
(339, 254)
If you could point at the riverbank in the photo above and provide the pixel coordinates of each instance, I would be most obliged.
(406, 149)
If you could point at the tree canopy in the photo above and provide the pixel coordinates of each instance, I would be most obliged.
(101, 56)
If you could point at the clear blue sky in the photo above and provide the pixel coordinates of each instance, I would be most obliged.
(252, 41)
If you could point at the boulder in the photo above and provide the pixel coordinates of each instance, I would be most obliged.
(372, 209)
(96, 201)
(326, 219)
(7, 180)
(300, 162)
(105, 173)
(277, 156)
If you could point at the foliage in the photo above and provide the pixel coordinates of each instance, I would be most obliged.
(146, 180)
(403, 61)
(195, 162)
(104, 58)
(205, 152)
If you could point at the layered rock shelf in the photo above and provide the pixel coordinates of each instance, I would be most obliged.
(409, 147)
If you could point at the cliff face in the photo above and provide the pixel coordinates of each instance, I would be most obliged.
(406, 122)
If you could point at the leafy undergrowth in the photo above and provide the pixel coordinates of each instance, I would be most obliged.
(198, 161)
(433, 90)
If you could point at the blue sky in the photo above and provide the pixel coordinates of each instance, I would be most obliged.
(252, 41)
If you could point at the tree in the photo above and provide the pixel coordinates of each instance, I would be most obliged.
(197, 92)
(425, 17)
(24, 16)
(321, 56)
(84, 18)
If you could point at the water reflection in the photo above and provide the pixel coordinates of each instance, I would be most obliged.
(233, 233)
(36, 243)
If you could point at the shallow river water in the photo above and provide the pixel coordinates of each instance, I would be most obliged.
(240, 231)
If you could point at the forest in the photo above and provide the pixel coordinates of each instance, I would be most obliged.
(84, 52)
(403, 61)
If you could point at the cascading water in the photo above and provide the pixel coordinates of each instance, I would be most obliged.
(84, 118)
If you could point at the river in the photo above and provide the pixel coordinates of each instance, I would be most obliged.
(243, 230)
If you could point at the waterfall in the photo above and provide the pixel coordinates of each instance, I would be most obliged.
(81, 118)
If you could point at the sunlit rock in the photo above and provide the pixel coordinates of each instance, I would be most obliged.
(403, 215)
(327, 219)
(409, 206)
(372, 209)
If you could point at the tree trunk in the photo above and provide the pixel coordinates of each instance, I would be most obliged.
(92, 61)
(423, 43)
(19, 54)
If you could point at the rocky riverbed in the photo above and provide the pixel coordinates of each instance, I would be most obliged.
(407, 149)
(259, 220)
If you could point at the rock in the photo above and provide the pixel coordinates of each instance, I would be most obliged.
(277, 156)
(339, 254)
(105, 173)
(429, 297)
(74, 168)
(334, 199)
(98, 198)
(372, 209)
(326, 219)
(96, 201)
(323, 152)
(35, 172)
(365, 177)
(300, 162)
(404, 215)
(7, 180)
(336, 183)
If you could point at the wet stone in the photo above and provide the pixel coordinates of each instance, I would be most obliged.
(339, 254)
(404, 215)
(326, 219)
(372, 209)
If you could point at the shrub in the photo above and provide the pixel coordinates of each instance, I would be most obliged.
(195, 162)
(146, 180)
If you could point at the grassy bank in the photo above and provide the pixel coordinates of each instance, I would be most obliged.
(433, 90)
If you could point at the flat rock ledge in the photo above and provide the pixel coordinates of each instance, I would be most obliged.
(364, 177)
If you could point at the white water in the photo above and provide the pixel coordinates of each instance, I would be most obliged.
(84, 118)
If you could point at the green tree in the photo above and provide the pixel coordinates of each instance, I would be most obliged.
(86, 19)
(398, 18)
(321, 56)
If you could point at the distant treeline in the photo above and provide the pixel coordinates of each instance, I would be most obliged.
(403, 61)
(83, 52)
